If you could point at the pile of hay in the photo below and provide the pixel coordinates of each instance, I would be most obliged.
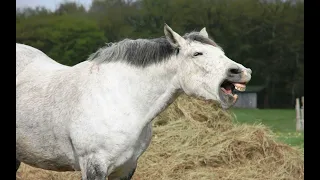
(195, 139)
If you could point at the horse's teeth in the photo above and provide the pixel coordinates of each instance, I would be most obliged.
(240, 88)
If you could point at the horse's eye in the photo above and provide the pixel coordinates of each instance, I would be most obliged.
(197, 54)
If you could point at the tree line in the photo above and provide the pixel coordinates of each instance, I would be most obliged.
(267, 36)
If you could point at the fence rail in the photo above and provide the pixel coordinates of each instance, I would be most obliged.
(300, 114)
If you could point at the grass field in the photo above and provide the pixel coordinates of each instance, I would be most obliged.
(281, 121)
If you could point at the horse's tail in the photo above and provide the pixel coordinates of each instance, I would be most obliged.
(25, 55)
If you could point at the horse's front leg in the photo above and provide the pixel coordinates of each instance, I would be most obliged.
(124, 172)
(93, 167)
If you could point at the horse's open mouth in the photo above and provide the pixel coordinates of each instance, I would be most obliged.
(228, 88)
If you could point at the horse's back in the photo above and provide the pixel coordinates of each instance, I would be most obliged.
(26, 55)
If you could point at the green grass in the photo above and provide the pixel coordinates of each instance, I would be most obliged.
(281, 121)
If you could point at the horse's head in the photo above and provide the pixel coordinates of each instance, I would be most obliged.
(204, 69)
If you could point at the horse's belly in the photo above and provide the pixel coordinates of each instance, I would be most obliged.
(46, 155)
(38, 145)
(47, 164)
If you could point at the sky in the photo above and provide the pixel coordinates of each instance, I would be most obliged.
(51, 4)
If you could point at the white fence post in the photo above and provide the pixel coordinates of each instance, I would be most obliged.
(298, 124)
(300, 114)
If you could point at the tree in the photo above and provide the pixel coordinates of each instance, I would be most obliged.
(70, 8)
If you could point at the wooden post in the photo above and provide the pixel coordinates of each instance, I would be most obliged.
(298, 124)
(302, 113)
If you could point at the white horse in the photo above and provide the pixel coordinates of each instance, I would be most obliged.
(95, 117)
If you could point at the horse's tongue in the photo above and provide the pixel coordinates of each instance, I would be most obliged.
(227, 89)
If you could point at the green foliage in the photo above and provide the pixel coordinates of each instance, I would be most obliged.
(67, 38)
(266, 36)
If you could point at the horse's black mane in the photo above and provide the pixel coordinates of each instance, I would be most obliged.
(143, 52)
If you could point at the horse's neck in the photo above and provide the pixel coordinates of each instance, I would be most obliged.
(148, 91)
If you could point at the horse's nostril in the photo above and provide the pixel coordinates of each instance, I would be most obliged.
(234, 71)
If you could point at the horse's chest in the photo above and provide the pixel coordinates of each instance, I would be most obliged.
(138, 147)
(144, 139)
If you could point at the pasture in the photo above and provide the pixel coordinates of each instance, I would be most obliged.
(193, 139)
(281, 121)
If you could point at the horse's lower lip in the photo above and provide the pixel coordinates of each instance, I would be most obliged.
(227, 99)
(231, 95)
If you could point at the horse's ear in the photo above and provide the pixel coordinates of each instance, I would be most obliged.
(204, 33)
(174, 38)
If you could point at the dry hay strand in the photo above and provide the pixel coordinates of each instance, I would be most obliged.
(195, 139)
